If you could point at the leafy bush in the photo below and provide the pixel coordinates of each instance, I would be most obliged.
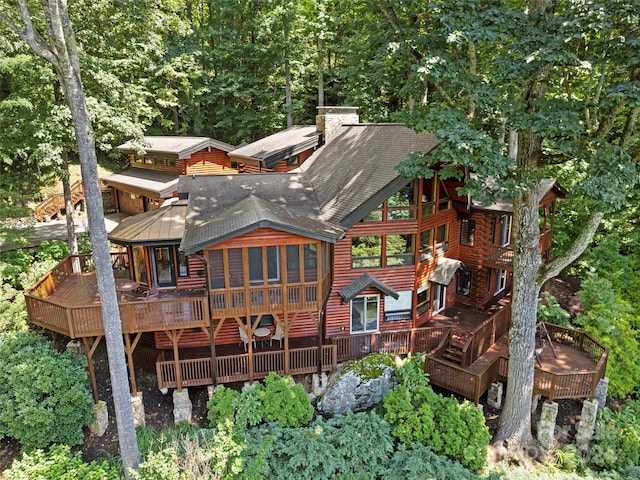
(44, 394)
(13, 311)
(284, 402)
(60, 464)
(419, 461)
(278, 400)
(12, 264)
(354, 446)
(550, 311)
(616, 443)
(448, 427)
(411, 373)
(52, 250)
(612, 322)
(222, 405)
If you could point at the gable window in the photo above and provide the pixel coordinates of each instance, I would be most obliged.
(423, 299)
(442, 238)
(398, 204)
(501, 280)
(505, 230)
(364, 313)
(467, 232)
(366, 252)
(399, 250)
(429, 196)
(439, 297)
(398, 310)
(463, 282)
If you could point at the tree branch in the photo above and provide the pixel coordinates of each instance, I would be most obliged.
(582, 241)
(30, 35)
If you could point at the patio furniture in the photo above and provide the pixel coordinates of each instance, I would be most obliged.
(279, 335)
(262, 333)
(245, 338)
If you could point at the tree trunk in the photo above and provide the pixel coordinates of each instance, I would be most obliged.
(68, 204)
(515, 420)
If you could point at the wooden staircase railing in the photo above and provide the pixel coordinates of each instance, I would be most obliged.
(51, 206)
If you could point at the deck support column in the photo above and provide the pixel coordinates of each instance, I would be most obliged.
(547, 424)
(138, 410)
(600, 394)
(587, 424)
(181, 406)
(89, 349)
(494, 397)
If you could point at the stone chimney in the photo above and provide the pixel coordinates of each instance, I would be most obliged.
(329, 119)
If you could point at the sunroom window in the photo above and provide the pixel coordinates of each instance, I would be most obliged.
(364, 313)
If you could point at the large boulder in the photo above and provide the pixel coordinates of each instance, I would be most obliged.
(356, 390)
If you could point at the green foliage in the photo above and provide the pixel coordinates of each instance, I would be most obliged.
(616, 442)
(419, 461)
(58, 463)
(52, 250)
(284, 402)
(550, 311)
(352, 446)
(448, 427)
(12, 264)
(222, 405)
(612, 322)
(411, 373)
(278, 400)
(370, 366)
(44, 394)
(13, 311)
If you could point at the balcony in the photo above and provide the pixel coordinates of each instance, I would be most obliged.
(502, 257)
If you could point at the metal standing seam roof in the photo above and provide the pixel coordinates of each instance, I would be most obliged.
(363, 282)
(174, 146)
(163, 224)
(158, 183)
(445, 269)
(281, 145)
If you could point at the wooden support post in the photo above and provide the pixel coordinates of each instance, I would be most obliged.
(89, 349)
(129, 348)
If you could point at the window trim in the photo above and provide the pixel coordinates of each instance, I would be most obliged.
(501, 280)
(467, 232)
(439, 297)
(364, 322)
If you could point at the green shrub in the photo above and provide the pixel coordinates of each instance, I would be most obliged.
(451, 428)
(419, 461)
(58, 463)
(13, 311)
(616, 443)
(549, 310)
(54, 250)
(411, 373)
(284, 402)
(222, 405)
(44, 394)
(278, 400)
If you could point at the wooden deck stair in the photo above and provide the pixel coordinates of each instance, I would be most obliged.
(454, 352)
(52, 206)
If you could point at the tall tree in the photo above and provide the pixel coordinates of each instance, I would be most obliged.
(561, 80)
(48, 32)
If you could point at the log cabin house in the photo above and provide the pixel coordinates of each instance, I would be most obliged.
(334, 259)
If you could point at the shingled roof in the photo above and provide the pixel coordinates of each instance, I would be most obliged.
(333, 190)
(145, 181)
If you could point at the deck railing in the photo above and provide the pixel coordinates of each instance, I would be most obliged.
(485, 335)
(552, 385)
(235, 368)
(255, 300)
(400, 342)
(55, 203)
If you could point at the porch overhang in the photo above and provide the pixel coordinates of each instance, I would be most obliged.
(363, 282)
(144, 181)
(445, 269)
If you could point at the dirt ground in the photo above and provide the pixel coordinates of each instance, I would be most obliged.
(159, 407)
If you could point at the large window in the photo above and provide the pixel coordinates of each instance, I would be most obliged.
(442, 238)
(426, 245)
(463, 282)
(164, 266)
(400, 250)
(366, 252)
(364, 314)
(398, 310)
(505, 230)
(140, 266)
(424, 299)
(257, 264)
(467, 232)
(399, 206)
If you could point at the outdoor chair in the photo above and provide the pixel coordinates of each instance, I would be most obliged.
(245, 338)
(92, 290)
(279, 335)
